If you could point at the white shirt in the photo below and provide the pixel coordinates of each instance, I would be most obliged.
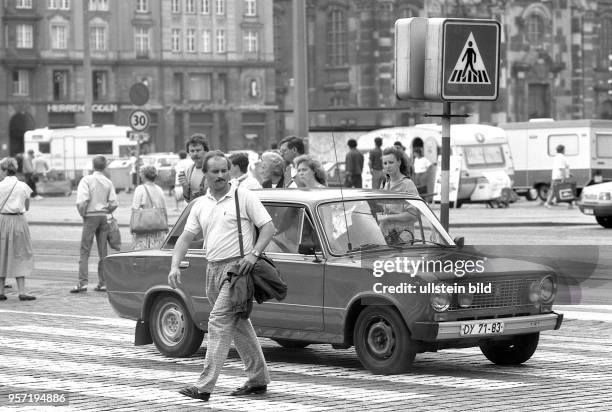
(293, 184)
(216, 220)
(560, 167)
(16, 202)
(99, 191)
(246, 181)
(421, 164)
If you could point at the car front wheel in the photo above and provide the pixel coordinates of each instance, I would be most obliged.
(605, 221)
(172, 329)
(511, 352)
(382, 341)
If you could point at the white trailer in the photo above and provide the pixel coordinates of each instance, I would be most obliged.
(72, 150)
(588, 148)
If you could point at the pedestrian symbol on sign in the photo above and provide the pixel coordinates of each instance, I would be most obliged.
(469, 69)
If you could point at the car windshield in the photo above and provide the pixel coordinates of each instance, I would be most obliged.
(380, 224)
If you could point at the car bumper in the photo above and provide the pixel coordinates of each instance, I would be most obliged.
(442, 331)
(595, 209)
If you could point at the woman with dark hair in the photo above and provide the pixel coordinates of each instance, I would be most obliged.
(396, 170)
(16, 256)
(310, 172)
(149, 195)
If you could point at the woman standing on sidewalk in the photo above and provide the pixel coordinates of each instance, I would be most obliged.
(149, 195)
(16, 256)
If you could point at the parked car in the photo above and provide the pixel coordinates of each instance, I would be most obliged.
(596, 200)
(329, 245)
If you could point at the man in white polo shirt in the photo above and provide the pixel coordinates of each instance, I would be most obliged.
(214, 215)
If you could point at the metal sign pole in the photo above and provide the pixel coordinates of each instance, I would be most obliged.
(445, 172)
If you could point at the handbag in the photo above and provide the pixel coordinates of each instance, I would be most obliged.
(114, 234)
(148, 220)
(565, 191)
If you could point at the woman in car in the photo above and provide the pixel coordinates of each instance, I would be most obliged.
(310, 172)
(149, 195)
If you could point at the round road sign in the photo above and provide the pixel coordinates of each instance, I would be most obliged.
(139, 120)
(139, 94)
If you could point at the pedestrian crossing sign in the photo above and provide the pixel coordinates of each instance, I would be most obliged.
(462, 59)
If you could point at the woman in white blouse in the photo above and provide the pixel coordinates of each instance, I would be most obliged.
(148, 195)
(16, 256)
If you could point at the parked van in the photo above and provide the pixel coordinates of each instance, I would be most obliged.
(483, 149)
(71, 150)
(588, 148)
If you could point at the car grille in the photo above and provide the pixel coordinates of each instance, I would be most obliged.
(590, 196)
(504, 293)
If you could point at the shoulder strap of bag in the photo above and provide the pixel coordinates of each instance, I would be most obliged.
(148, 195)
(9, 196)
(239, 223)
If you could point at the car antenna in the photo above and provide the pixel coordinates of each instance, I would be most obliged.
(350, 246)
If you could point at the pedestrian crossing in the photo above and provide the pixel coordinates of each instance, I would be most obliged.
(94, 360)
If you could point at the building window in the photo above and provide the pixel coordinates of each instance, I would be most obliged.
(97, 38)
(59, 38)
(176, 6)
(336, 34)
(605, 37)
(222, 88)
(206, 41)
(220, 41)
(25, 36)
(21, 83)
(199, 87)
(220, 9)
(23, 4)
(141, 38)
(250, 7)
(251, 41)
(176, 40)
(190, 41)
(100, 84)
(190, 6)
(101, 5)
(177, 84)
(142, 6)
(60, 85)
(58, 4)
(535, 28)
(205, 6)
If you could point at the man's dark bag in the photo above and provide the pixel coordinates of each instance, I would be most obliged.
(114, 234)
(263, 283)
(565, 191)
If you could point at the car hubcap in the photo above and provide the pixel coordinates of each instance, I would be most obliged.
(381, 340)
(172, 325)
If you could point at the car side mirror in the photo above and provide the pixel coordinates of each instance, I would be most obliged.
(306, 249)
(459, 241)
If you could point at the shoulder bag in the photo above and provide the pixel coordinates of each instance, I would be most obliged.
(9, 196)
(114, 234)
(148, 220)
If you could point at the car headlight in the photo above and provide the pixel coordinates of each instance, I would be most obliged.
(548, 289)
(605, 196)
(464, 300)
(440, 300)
(543, 290)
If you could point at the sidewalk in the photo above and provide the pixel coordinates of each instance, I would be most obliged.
(62, 211)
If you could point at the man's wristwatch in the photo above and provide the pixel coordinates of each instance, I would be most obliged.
(255, 253)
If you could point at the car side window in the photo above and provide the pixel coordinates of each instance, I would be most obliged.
(288, 221)
(177, 230)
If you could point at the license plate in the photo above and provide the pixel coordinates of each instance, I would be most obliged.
(482, 328)
(587, 211)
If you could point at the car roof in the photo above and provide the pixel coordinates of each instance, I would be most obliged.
(316, 196)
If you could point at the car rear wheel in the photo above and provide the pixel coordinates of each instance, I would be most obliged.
(172, 329)
(292, 344)
(382, 341)
(511, 352)
(532, 194)
(605, 221)
(543, 192)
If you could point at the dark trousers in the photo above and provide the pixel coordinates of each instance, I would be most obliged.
(353, 181)
(30, 181)
(93, 226)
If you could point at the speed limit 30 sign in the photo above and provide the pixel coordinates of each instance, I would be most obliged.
(139, 120)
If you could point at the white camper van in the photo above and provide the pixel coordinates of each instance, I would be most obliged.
(588, 148)
(71, 150)
(483, 150)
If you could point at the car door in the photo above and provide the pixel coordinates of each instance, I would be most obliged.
(303, 272)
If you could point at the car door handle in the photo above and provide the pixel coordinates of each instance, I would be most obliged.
(184, 264)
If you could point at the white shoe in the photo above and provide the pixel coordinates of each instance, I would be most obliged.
(38, 197)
